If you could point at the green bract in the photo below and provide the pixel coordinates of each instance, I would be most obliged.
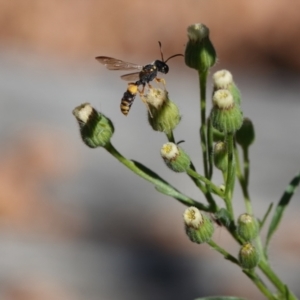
(248, 256)
(163, 114)
(226, 116)
(247, 227)
(220, 156)
(96, 130)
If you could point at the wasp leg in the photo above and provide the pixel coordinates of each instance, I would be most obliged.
(147, 105)
(143, 98)
(162, 81)
(142, 91)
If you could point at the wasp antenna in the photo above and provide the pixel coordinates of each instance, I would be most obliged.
(162, 56)
(173, 56)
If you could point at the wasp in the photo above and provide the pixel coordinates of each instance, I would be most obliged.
(143, 75)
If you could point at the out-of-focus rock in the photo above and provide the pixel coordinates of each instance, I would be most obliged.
(30, 163)
(36, 289)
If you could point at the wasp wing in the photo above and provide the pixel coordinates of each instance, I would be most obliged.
(131, 76)
(117, 64)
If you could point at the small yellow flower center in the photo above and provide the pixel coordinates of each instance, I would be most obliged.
(246, 219)
(247, 248)
(169, 151)
(192, 217)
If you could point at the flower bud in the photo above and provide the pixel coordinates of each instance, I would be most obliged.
(96, 130)
(223, 80)
(245, 135)
(247, 227)
(175, 158)
(248, 256)
(198, 226)
(222, 188)
(220, 156)
(226, 116)
(200, 53)
(163, 114)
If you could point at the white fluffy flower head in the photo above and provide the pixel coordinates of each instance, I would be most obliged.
(223, 99)
(222, 79)
(83, 112)
(197, 32)
(169, 151)
(192, 217)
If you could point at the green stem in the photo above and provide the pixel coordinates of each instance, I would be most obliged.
(213, 187)
(242, 182)
(213, 207)
(210, 148)
(250, 273)
(260, 284)
(170, 137)
(160, 184)
(202, 83)
(197, 182)
(226, 255)
(267, 270)
(203, 132)
(246, 165)
(230, 176)
(212, 203)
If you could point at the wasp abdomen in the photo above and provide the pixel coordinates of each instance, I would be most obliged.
(128, 98)
(126, 103)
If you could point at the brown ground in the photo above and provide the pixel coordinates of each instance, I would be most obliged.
(266, 32)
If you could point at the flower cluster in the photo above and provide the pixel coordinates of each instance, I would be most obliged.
(224, 134)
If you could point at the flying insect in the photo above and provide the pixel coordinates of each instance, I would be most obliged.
(143, 76)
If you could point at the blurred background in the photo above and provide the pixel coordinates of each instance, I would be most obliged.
(74, 223)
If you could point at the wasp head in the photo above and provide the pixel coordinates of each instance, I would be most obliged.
(161, 66)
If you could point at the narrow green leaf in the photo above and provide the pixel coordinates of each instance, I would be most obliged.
(287, 292)
(169, 191)
(165, 188)
(149, 172)
(284, 201)
(220, 298)
(262, 222)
